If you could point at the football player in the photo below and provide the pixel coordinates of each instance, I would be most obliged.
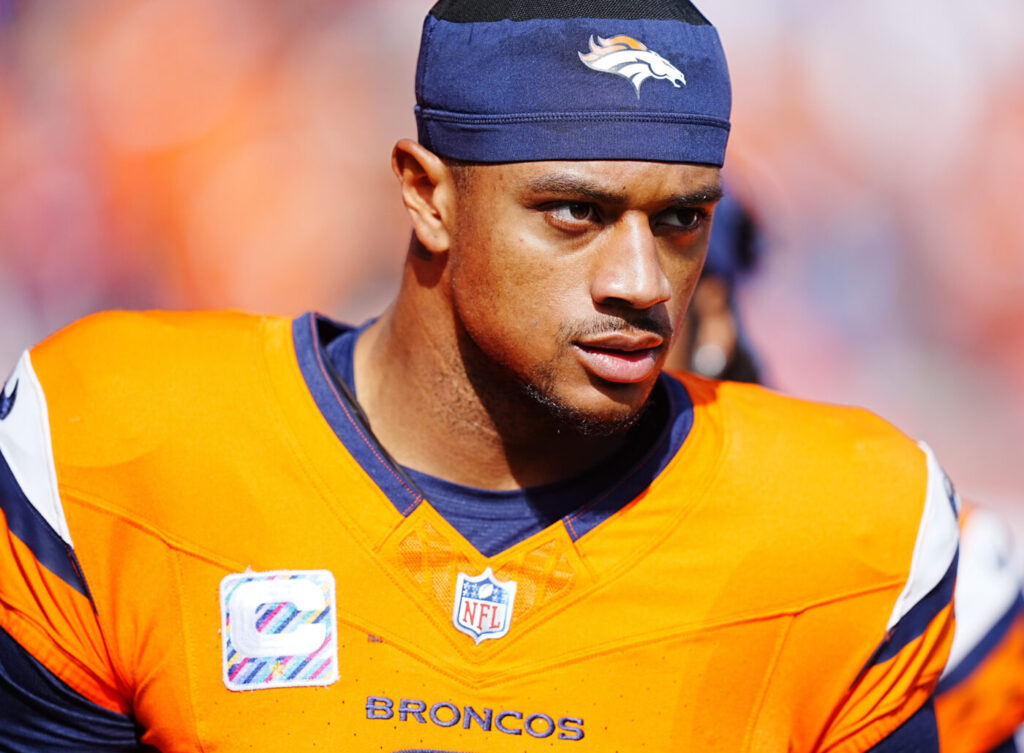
(486, 519)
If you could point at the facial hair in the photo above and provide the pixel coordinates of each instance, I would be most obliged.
(542, 387)
(570, 418)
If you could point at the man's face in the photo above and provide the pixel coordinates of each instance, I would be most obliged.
(570, 278)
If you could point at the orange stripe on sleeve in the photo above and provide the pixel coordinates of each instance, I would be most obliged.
(984, 709)
(55, 623)
(889, 693)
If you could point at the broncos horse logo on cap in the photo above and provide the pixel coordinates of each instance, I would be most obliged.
(631, 59)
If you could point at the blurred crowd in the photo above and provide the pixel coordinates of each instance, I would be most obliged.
(234, 153)
(201, 153)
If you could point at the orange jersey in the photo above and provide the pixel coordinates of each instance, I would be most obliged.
(198, 541)
(979, 702)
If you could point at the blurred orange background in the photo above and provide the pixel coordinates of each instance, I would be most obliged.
(234, 153)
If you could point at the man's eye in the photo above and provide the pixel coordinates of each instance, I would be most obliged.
(682, 218)
(575, 212)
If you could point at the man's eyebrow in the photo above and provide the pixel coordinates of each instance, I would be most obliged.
(570, 185)
(705, 195)
(573, 186)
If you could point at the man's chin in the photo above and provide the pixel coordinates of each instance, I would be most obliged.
(587, 423)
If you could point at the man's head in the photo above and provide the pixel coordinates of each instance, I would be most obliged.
(563, 189)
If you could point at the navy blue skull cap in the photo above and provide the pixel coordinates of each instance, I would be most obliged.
(528, 80)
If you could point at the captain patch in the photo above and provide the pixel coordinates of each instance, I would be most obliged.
(279, 629)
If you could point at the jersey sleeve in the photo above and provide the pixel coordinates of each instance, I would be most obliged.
(900, 677)
(980, 699)
(56, 677)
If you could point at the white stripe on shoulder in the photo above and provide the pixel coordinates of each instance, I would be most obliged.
(937, 539)
(26, 444)
(987, 583)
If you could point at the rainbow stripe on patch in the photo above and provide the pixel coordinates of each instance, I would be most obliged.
(279, 629)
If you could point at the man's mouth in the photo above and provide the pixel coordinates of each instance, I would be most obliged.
(621, 358)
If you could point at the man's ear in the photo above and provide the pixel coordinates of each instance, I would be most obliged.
(428, 191)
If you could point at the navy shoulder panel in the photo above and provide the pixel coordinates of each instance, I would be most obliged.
(39, 712)
(919, 734)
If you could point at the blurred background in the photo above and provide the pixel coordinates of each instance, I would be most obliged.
(234, 153)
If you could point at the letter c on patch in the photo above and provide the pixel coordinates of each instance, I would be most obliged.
(302, 594)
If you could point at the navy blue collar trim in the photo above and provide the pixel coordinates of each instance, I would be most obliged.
(310, 333)
(600, 494)
(628, 486)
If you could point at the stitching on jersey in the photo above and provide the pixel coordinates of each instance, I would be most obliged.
(762, 695)
(100, 505)
(857, 730)
(570, 519)
(73, 672)
(597, 116)
(280, 391)
(355, 424)
(191, 652)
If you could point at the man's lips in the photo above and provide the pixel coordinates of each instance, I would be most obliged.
(622, 358)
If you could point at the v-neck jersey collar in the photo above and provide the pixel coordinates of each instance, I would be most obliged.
(601, 493)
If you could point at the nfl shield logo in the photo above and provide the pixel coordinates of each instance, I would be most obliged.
(483, 605)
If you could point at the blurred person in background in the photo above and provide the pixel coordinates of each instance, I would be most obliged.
(713, 342)
(979, 702)
(486, 519)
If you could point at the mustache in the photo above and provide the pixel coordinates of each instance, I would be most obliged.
(605, 324)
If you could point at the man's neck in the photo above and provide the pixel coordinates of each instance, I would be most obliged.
(425, 410)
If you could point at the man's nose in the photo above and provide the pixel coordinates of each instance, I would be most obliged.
(627, 268)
